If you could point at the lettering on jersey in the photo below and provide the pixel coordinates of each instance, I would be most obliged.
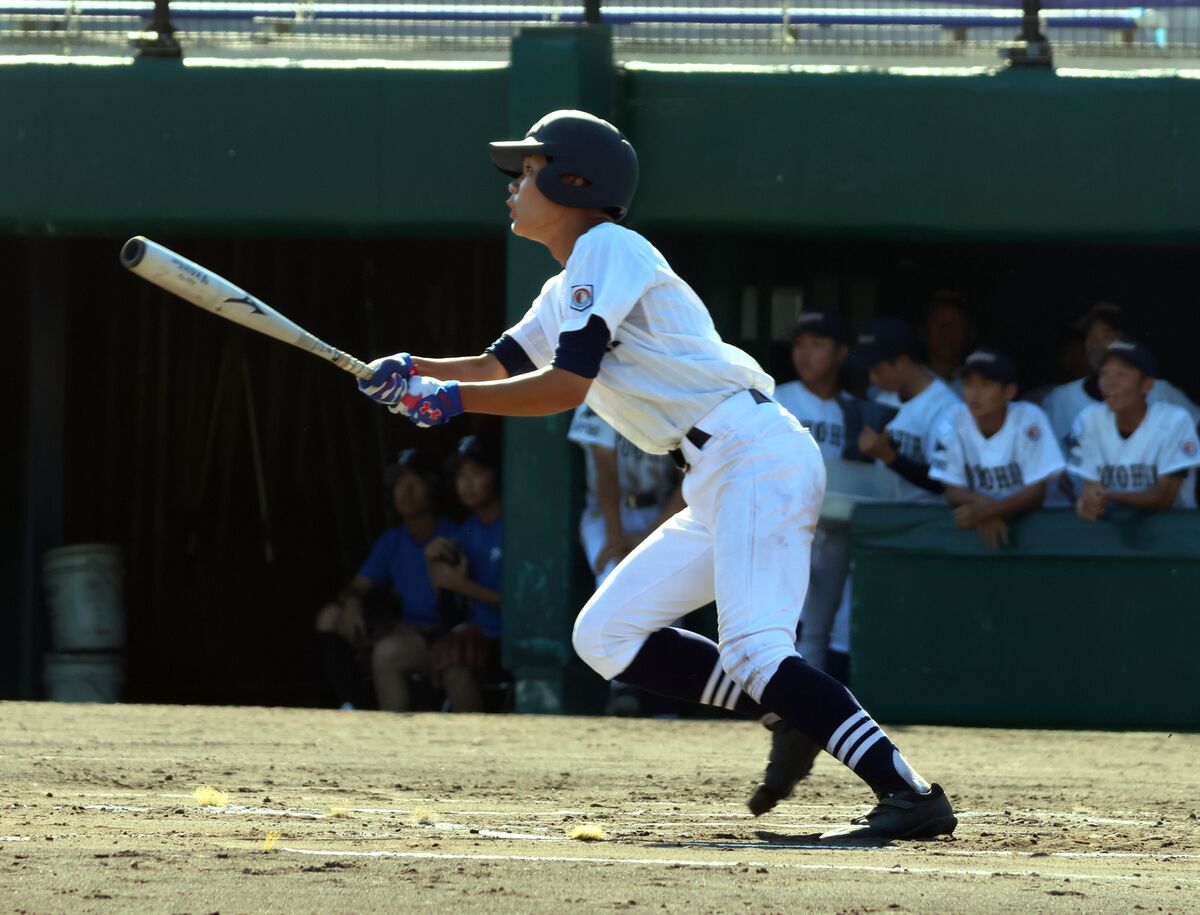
(1002, 477)
(909, 445)
(1128, 477)
(823, 432)
(1071, 446)
(581, 298)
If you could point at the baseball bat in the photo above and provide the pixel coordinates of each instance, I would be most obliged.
(200, 286)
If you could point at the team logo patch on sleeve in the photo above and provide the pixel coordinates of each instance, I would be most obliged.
(581, 298)
(1033, 433)
(1189, 448)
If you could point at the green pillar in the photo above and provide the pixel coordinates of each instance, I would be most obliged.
(545, 578)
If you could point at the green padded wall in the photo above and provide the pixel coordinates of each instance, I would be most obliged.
(1072, 624)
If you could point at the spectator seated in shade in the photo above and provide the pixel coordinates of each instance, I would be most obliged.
(468, 565)
(388, 613)
(1127, 451)
(994, 454)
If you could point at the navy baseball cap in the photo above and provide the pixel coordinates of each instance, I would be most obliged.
(823, 324)
(882, 340)
(1134, 353)
(991, 364)
(1110, 313)
(472, 448)
(410, 459)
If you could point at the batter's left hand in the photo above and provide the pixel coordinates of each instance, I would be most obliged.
(430, 402)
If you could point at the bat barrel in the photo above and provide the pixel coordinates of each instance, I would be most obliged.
(132, 252)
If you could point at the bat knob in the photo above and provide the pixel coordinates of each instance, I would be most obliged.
(132, 252)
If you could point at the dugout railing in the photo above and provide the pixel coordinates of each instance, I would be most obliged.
(697, 29)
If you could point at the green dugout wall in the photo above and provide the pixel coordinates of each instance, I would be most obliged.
(1072, 623)
(169, 148)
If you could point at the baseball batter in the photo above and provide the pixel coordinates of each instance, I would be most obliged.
(618, 328)
(1129, 451)
(995, 455)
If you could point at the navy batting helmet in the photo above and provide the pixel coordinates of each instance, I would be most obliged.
(576, 143)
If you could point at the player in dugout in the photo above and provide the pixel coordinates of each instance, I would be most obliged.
(388, 614)
(994, 454)
(1127, 450)
(619, 328)
(469, 565)
(888, 350)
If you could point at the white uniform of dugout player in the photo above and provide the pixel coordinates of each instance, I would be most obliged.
(1104, 323)
(629, 492)
(887, 348)
(1128, 451)
(618, 328)
(994, 454)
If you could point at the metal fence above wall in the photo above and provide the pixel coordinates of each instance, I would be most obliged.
(699, 29)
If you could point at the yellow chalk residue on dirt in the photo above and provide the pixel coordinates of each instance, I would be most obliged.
(208, 796)
(270, 840)
(339, 811)
(422, 816)
(587, 833)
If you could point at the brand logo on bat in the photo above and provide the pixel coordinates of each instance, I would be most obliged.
(191, 271)
(246, 300)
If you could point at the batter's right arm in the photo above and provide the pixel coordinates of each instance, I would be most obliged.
(485, 367)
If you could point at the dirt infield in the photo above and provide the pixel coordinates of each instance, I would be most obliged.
(442, 813)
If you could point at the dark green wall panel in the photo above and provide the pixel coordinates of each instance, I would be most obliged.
(1072, 624)
(157, 147)
(1010, 155)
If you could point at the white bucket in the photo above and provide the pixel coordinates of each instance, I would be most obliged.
(83, 677)
(83, 589)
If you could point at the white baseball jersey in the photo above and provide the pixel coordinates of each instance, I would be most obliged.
(1022, 452)
(824, 419)
(638, 473)
(1164, 443)
(1067, 401)
(666, 365)
(914, 430)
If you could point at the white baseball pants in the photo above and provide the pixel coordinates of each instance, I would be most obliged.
(754, 495)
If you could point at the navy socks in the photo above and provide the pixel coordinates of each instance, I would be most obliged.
(684, 665)
(819, 706)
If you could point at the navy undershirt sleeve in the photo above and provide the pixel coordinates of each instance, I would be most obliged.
(917, 474)
(580, 351)
(511, 355)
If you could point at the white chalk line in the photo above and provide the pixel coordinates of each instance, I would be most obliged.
(235, 809)
(681, 862)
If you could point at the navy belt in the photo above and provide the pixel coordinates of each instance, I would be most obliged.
(699, 437)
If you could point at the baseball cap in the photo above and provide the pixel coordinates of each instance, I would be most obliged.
(409, 459)
(991, 364)
(883, 339)
(1134, 353)
(1110, 313)
(823, 324)
(472, 448)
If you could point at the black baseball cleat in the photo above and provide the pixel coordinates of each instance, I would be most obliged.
(791, 759)
(903, 815)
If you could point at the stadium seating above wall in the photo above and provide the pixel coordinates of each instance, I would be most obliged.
(1072, 624)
